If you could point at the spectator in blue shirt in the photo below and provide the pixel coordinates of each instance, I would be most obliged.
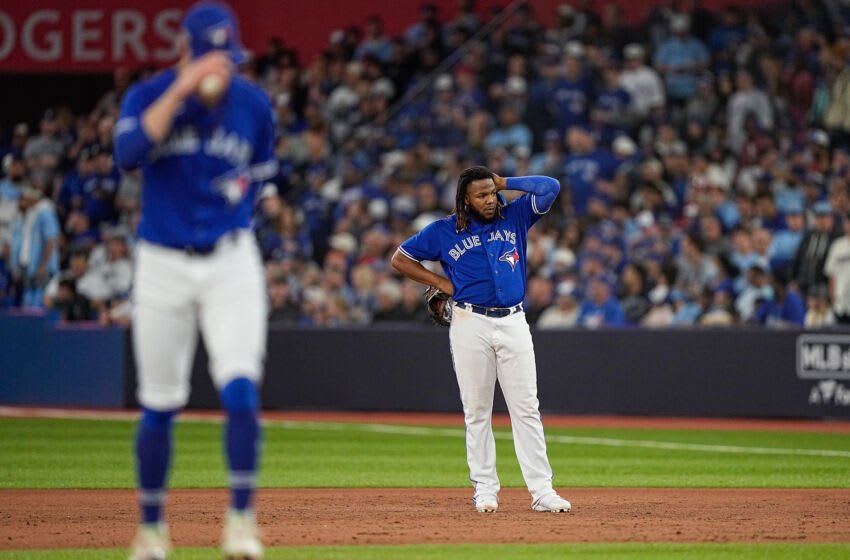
(611, 113)
(681, 59)
(375, 44)
(786, 239)
(586, 167)
(600, 308)
(35, 243)
(569, 101)
(785, 309)
(510, 132)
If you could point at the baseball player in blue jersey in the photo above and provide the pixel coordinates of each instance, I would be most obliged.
(202, 151)
(482, 249)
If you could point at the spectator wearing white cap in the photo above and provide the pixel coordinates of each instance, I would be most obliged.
(445, 128)
(641, 82)
(45, 150)
(570, 24)
(681, 59)
(563, 314)
(747, 100)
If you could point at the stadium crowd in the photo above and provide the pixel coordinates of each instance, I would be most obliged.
(704, 159)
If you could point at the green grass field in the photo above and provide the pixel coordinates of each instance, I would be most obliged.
(63, 453)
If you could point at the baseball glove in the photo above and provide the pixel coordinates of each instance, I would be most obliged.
(439, 305)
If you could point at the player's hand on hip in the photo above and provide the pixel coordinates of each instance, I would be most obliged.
(446, 286)
(191, 74)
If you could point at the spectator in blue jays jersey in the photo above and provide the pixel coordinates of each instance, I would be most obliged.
(586, 168)
(611, 112)
(600, 308)
(569, 101)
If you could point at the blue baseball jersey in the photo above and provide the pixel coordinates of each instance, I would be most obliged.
(486, 263)
(581, 172)
(200, 182)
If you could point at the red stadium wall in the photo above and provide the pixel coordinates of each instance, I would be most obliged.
(87, 36)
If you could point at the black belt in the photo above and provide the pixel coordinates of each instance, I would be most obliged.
(203, 250)
(491, 311)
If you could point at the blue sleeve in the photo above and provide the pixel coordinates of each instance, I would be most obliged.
(762, 312)
(543, 191)
(614, 316)
(264, 149)
(701, 52)
(795, 309)
(264, 164)
(661, 56)
(609, 170)
(48, 223)
(131, 142)
(425, 245)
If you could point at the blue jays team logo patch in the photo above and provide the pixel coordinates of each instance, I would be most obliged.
(511, 257)
(233, 187)
(219, 36)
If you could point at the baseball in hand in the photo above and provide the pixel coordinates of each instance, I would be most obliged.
(211, 87)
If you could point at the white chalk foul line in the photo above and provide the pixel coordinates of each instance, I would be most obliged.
(425, 431)
(575, 440)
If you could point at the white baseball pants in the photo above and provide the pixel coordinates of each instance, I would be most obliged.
(174, 293)
(485, 349)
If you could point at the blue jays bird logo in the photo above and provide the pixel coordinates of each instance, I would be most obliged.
(511, 257)
(233, 187)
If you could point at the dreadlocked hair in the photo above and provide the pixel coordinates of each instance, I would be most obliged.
(469, 175)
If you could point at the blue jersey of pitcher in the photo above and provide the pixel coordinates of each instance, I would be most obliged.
(200, 182)
(486, 263)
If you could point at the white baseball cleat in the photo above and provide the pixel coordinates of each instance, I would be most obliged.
(552, 503)
(486, 503)
(151, 543)
(241, 538)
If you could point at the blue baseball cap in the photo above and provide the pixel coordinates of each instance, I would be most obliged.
(794, 207)
(213, 26)
(822, 207)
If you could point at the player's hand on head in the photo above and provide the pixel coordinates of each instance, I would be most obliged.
(191, 75)
(500, 182)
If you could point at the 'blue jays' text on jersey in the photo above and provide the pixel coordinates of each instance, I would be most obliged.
(200, 182)
(486, 263)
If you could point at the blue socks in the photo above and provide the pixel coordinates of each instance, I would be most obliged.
(153, 455)
(241, 401)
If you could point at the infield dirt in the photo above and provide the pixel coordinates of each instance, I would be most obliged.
(296, 517)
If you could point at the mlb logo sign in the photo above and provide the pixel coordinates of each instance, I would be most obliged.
(823, 356)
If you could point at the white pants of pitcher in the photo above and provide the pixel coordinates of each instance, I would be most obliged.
(485, 349)
(174, 294)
